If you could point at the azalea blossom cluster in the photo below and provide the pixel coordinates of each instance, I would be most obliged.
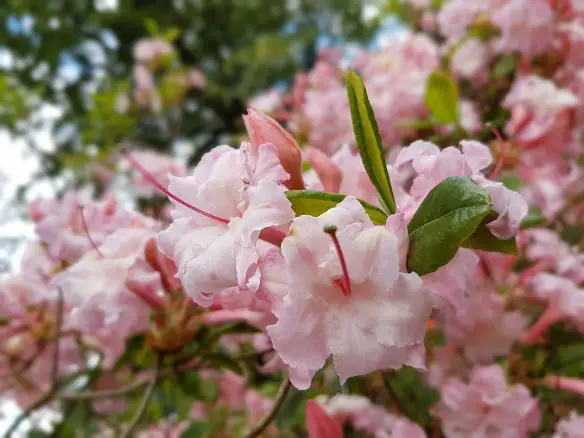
(402, 248)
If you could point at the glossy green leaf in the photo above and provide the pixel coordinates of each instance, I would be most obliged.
(369, 140)
(447, 217)
(315, 203)
(484, 240)
(441, 97)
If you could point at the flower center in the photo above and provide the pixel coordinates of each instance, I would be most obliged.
(343, 283)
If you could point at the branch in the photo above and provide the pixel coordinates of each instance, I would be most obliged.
(269, 417)
(93, 395)
(145, 401)
(26, 413)
(58, 325)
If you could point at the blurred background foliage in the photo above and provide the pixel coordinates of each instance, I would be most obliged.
(77, 55)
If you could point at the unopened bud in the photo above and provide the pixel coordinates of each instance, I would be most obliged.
(263, 129)
(328, 172)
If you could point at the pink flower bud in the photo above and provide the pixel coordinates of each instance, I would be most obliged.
(328, 172)
(263, 129)
(571, 384)
(319, 424)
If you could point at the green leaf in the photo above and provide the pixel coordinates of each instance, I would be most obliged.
(448, 216)
(505, 65)
(220, 360)
(369, 140)
(413, 395)
(315, 203)
(441, 97)
(512, 182)
(190, 383)
(172, 34)
(196, 430)
(533, 218)
(151, 27)
(484, 240)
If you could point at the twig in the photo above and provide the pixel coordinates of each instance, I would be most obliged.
(110, 393)
(145, 400)
(269, 417)
(58, 325)
(26, 413)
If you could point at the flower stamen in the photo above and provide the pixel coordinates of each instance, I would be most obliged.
(88, 234)
(150, 178)
(345, 282)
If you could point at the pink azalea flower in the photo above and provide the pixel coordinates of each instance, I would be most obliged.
(483, 328)
(446, 363)
(570, 427)
(149, 51)
(451, 281)
(470, 58)
(548, 249)
(268, 102)
(319, 424)
(427, 166)
(541, 113)
(237, 195)
(367, 417)
(76, 224)
(396, 81)
(232, 391)
(456, 16)
(527, 26)
(486, 406)
(164, 429)
(347, 297)
(257, 406)
(196, 79)
(112, 292)
(565, 302)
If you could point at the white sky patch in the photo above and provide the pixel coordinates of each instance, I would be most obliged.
(18, 164)
(106, 5)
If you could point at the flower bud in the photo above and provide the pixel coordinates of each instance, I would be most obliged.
(319, 423)
(263, 129)
(328, 172)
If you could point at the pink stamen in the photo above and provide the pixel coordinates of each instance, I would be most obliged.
(344, 283)
(150, 178)
(530, 272)
(549, 317)
(501, 159)
(86, 230)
